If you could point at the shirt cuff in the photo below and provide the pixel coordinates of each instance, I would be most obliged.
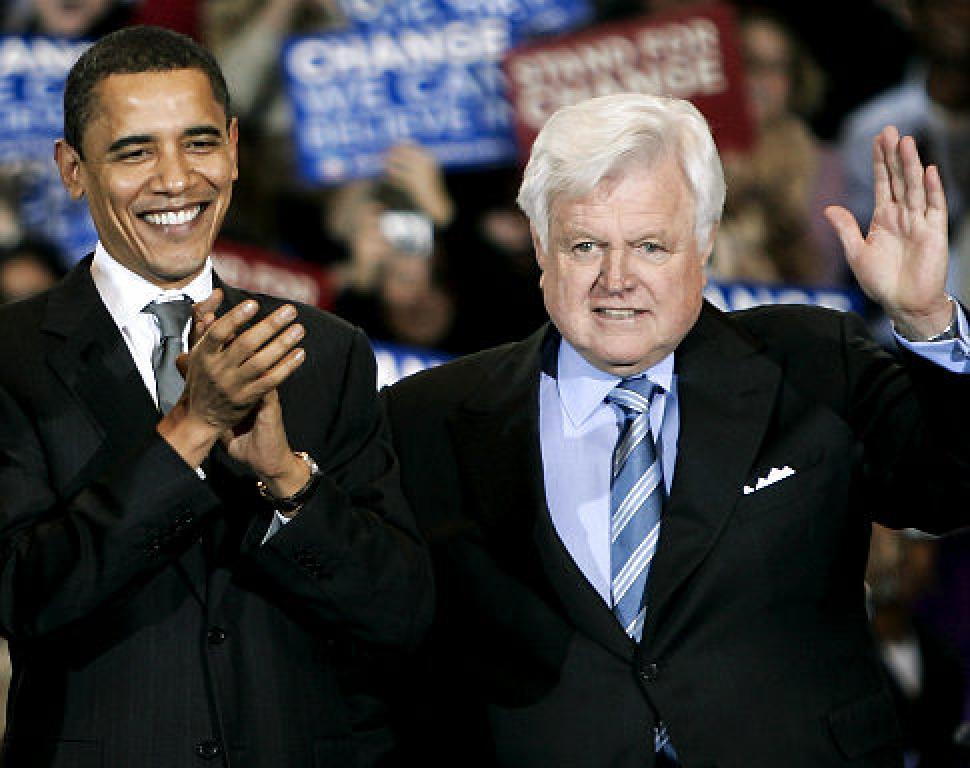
(275, 526)
(951, 354)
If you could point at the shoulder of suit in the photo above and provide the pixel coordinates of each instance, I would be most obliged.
(19, 318)
(784, 321)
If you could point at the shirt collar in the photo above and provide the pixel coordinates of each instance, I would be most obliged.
(583, 387)
(126, 294)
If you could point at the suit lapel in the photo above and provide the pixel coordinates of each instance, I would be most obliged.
(726, 392)
(90, 356)
(496, 439)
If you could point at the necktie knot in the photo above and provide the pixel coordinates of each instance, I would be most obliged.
(632, 395)
(172, 316)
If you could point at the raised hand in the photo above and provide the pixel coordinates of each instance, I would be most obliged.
(902, 262)
(415, 170)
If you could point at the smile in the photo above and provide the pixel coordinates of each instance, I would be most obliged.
(173, 218)
(618, 314)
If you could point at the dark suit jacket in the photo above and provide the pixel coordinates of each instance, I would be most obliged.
(148, 626)
(756, 649)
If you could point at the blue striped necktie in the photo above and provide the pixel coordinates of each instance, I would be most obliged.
(635, 500)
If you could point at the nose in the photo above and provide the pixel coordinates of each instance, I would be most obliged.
(614, 271)
(174, 172)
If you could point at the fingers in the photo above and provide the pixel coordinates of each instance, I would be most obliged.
(935, 197)
(223, 330)
(243, 348)
(912, 172)
(899, 176)
(886, 160)
(266, 344)
(847, 228)
(204, 315)
(882, 187)
(245, 364)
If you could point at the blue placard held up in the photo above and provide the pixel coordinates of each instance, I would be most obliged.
(32, 75)
(730, 296)
(528, 17)
(426, 71)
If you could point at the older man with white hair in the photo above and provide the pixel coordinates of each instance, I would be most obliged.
(650, 519)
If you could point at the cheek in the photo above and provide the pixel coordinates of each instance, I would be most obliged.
(220, 172)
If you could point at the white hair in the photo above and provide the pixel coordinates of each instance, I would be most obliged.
(580, 145)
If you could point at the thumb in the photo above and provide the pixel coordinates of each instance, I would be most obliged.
(182, 363)
(847, 229)
(204, 315)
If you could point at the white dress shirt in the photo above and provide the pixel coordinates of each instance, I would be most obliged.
(126, 294)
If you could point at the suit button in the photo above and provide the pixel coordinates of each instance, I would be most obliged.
(650, 673)
(216, 636)
(209, 749)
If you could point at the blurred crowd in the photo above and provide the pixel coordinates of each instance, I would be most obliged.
(443, 260)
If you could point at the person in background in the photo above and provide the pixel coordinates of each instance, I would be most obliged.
(773, 228)
(71, 19)
(394, 281)
(272, 210)
(650, 519)
(28, 268)
(925, 672)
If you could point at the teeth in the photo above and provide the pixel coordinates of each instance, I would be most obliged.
(617, 314)
(170, 218)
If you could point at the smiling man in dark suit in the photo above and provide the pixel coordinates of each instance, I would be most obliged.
(179, 585)
(649, 520)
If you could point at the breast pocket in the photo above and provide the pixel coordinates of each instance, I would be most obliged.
(807, 479)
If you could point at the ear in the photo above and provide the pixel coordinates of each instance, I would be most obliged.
(71, 167)
(537, 245)
(234, 147)
(708, 247)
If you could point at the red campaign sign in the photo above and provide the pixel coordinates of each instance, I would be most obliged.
(253, 269)
(691, 54)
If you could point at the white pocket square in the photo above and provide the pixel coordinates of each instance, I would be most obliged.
(773, 476)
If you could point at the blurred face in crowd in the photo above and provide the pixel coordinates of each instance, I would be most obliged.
(623, 276)
(767, 58)
(419, 311)
(942, 28)
(69, 18)
(22, 277)
(157, 169)
(900, 567)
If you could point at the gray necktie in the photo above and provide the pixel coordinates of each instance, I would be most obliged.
(172, 317)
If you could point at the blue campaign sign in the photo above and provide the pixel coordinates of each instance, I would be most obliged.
(426, 71)
(731, 296)
(394, 361)
(356, 94)
(528, 17)
(32, 75)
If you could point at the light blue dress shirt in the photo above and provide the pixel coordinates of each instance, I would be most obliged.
(578, 431)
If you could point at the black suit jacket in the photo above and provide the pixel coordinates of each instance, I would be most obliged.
(756, 648)
(148, 625)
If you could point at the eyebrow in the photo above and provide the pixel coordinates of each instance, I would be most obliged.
(145, 138)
